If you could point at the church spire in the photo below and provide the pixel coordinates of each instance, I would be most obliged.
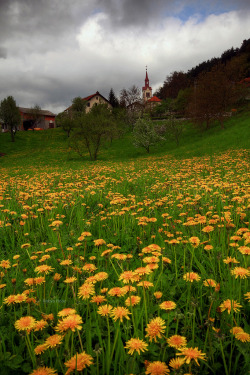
(146, 78)
(146, 90)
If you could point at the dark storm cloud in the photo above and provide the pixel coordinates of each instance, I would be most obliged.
(3, 53)
(47, 19)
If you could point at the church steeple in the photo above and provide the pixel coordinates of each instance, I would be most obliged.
(146, 90)
(146, 79)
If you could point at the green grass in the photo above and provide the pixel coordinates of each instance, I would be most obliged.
(195, 209)
(50, 147)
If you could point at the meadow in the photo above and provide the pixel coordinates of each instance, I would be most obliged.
(133, 265)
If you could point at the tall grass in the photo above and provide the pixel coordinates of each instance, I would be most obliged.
(180, 226)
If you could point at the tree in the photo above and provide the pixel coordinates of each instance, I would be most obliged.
(36, 116)
(130, 96)
(10, 115)
(92, 129)
(66, 122)
(213, 95)
(174, 129)
(113, 99)
(145, 134)
(78, 107)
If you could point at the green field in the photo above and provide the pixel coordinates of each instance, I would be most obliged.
(133, 264)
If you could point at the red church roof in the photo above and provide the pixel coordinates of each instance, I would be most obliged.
(154, 99)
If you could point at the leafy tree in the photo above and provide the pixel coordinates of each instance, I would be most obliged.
(92, 129)
(145, 134)
(113, 99)
(78, 107)
(66, 122)
(181, 102)
(174, 129)
(10, 115)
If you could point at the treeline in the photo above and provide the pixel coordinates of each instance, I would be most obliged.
(237, 58)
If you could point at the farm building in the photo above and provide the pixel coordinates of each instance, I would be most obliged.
(35, 119)
(38, 119)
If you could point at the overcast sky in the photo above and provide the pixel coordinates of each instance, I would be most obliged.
(54, 50)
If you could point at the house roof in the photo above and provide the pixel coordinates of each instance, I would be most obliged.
(87, 98)
(154, 99)
(40, 112)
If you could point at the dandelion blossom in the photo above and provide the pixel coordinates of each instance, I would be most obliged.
(105, 310)
(44, 268)
(67, 311)
(132, 300)
(71, 322)
(157, 368)
(86, 290)
(177, 341)
(26, 323)
(191, 276)
(79, 362)
(136, 345)
(120, 313)
(241, 272)
(191, 354)
(39, 349)
(242, 336)
(44, 371)
(155, 328)
(168, 305)
(53, 341)
(230, 305)
(176, 363)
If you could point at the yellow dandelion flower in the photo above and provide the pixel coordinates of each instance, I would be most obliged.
(79, 362)
(53, 341)
(230, 305)
(168, 305)
(191, 354)
(120, 313)
(177, 341)
(71, 322)
(191, 276)
(136, 345)
(44, 371)
(26, 323)
(176, 363)
(157, 368)
(67, 311)
(242, 336)
(132, 300)
(104, 310)
(240, 272)
(155, 328)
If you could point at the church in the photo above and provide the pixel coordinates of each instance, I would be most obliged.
(149, 101)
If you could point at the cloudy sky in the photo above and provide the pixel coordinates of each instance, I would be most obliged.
(54, 50)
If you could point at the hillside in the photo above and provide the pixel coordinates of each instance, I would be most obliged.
(50, 147)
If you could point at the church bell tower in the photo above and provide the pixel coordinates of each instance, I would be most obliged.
(146, 90)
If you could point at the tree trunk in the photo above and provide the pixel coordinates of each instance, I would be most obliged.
(12, 134)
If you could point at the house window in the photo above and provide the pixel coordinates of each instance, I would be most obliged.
(88, 104)
(97, 98)
(148, 94)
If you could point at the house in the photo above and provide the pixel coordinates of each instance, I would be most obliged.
(36, 119)
(93, 100)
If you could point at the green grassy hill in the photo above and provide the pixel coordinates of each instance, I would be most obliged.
(50, 147)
